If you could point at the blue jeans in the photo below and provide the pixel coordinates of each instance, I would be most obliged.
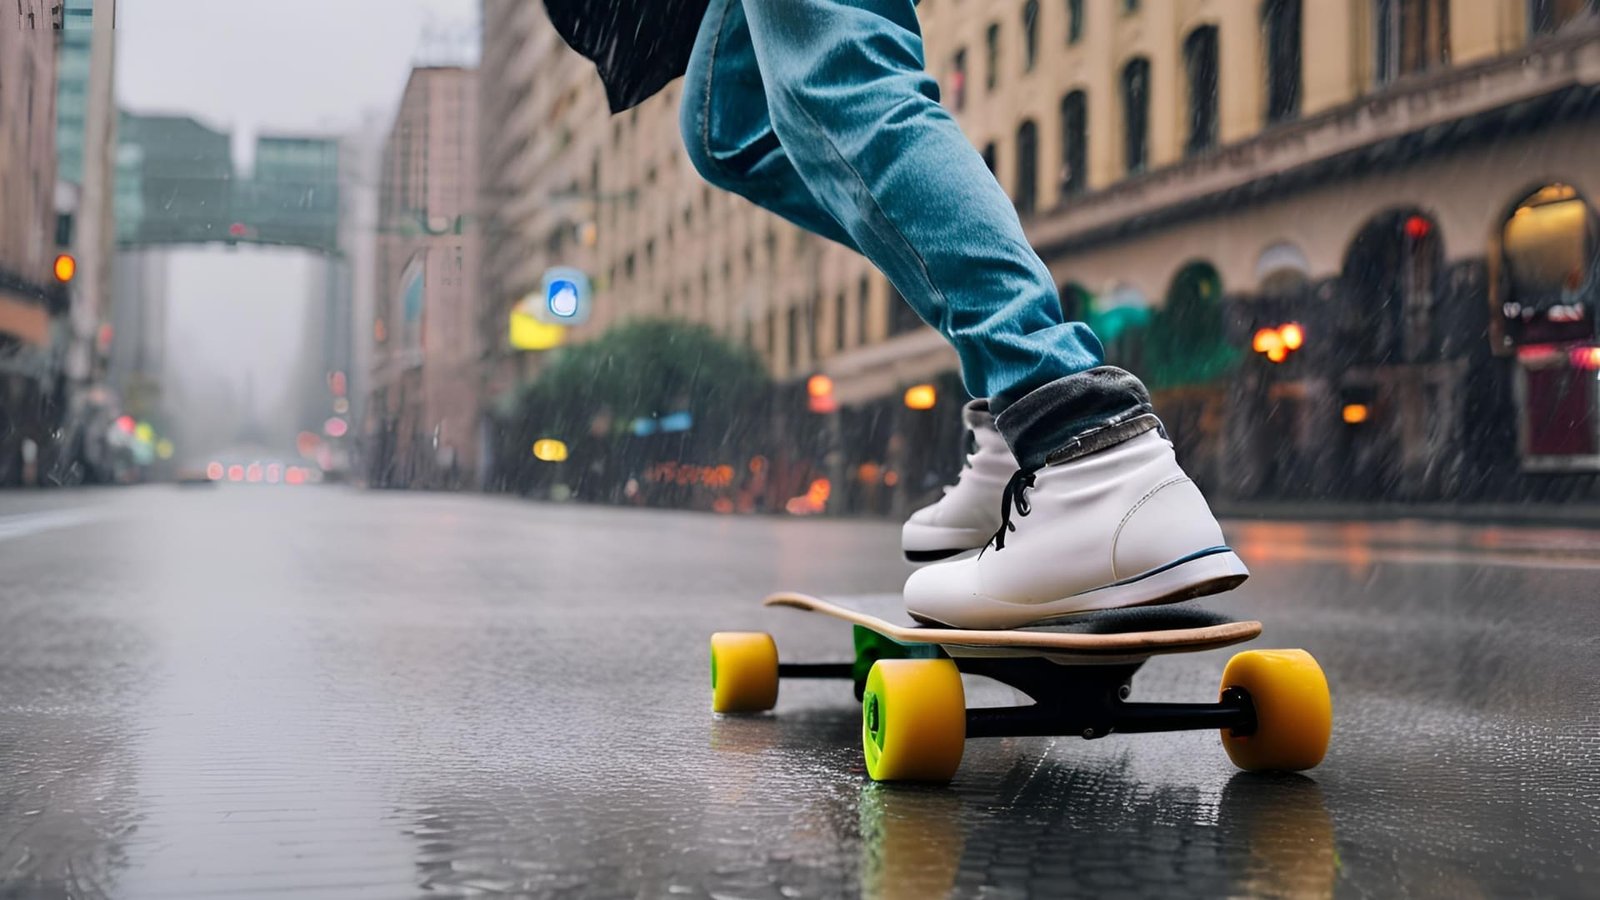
(821, 112)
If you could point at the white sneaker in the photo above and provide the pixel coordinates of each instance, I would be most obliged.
(1120, 527)
(966, 517)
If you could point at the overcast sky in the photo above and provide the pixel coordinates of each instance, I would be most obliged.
(251, 66)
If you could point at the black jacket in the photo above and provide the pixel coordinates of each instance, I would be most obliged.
(638, 45)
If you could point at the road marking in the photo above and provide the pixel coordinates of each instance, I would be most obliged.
(33, 523)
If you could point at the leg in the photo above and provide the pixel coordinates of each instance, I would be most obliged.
(1117, 523)
(860, 119)
(727, 130)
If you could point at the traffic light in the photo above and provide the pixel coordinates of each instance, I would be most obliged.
(819, 394)
(65, 268)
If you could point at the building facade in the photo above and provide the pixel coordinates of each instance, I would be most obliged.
(86, 126)
(1404, 182)
(32, 303)
(422, 421)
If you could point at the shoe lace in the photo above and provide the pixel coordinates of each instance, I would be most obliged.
(1015, 497)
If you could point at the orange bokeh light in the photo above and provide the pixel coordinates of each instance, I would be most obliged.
(921, 396)
(1293, 336)
(65, 267)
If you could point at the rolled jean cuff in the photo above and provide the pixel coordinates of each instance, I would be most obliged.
(1076, 415)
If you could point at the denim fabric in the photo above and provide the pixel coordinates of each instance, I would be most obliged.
(821, 111)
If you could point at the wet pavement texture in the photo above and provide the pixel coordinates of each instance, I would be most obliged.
(322, 692)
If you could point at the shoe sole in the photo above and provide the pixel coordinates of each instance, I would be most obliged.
(1211, 572)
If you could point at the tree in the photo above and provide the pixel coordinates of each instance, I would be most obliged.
(645, 391)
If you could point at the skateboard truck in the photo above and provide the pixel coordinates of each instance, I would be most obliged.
(1095, 706)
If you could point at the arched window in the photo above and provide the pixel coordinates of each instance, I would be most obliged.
(1136, 114)
(1074, 143)
(1387, 288)
(1549, 247)
(1280, 26)
(1410, 36)
(1027, 167)
(1187, 341)
(1200, 59)
(1030, 34)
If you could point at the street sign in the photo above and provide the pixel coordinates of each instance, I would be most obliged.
(565, 293)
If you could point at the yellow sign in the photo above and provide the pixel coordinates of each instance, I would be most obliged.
(528, 333)
(549, 450)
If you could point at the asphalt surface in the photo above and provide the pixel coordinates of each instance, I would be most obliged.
(251, 691)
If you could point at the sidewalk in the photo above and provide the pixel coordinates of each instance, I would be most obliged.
(1577, 514)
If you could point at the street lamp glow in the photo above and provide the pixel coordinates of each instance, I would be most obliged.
(1293, 336)
(921, 396)
(65, 267)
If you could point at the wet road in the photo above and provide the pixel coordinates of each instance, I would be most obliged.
(320, 692)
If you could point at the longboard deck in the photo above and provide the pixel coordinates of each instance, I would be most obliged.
(1108, 636)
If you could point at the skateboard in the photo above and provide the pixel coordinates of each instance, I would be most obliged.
(1273, 710)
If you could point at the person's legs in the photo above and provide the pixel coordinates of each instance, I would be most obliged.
(1116, 521)
(727, 131)
(861, 121)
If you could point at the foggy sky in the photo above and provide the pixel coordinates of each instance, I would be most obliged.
(309, 66)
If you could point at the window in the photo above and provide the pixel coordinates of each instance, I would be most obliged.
(1550, 16)
(990, 157)
(1030, 34)
(864, 312)
(1074, 21)
(838, 321)
(1411, 36)
(1074, 146)
(1136, 115)
(794, 338)
(1027, 167)
(1280, 24)
(813, 327)
(992, 42)
(958, 80)
(1200, 59)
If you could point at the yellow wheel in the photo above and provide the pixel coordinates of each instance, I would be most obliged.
(913, 720)
(1294, 714)
(744, 672)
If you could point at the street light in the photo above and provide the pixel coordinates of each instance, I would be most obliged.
(65, 268)
(921, 397)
